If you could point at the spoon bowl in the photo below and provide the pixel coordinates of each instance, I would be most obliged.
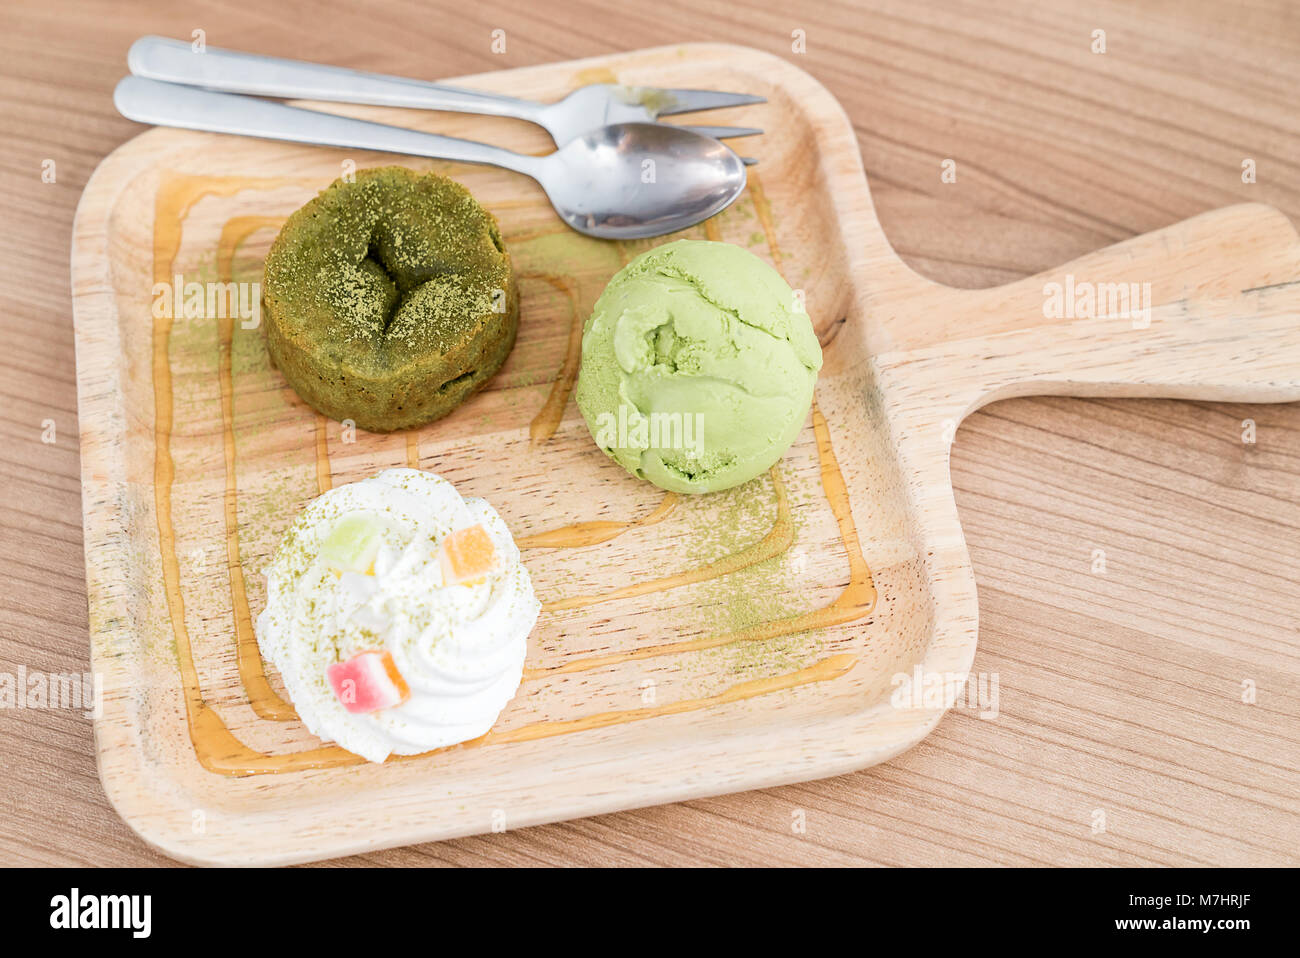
(635, 180)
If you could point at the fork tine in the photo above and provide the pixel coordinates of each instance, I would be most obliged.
(748, 160)
(722, 132)
(688, 101)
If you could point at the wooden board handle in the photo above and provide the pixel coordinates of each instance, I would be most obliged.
(1206, 309)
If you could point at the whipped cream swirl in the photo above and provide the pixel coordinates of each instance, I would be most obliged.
(459, 648)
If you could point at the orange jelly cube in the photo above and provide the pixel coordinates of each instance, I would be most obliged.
(467, 556)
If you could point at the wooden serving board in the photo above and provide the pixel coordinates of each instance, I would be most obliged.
(688, 646)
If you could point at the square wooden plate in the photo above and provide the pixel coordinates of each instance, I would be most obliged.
(689, 645)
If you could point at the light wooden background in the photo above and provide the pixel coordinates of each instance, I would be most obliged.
(1119, 693)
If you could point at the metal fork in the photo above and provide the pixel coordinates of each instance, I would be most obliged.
(585, 109)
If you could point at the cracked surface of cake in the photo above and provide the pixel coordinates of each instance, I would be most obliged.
(389, 299)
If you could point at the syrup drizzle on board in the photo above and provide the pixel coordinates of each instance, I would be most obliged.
(220, 751)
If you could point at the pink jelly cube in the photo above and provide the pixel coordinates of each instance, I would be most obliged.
(368, 682)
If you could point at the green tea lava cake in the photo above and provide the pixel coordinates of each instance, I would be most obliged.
(390, 299)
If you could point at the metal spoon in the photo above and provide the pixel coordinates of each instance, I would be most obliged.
(626, 181)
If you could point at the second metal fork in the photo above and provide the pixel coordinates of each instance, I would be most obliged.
(583, 110)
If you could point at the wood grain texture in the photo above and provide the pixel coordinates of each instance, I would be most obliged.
(1117, 692)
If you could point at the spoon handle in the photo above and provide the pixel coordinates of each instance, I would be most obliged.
(190, 108)
(158, 58)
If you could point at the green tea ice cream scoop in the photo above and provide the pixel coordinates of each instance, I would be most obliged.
(698, 365)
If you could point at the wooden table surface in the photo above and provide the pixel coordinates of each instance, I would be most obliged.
(1122, 736)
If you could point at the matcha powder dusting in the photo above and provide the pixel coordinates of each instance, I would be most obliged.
(389, 299)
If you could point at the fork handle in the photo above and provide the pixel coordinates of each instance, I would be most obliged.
(158, 58)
